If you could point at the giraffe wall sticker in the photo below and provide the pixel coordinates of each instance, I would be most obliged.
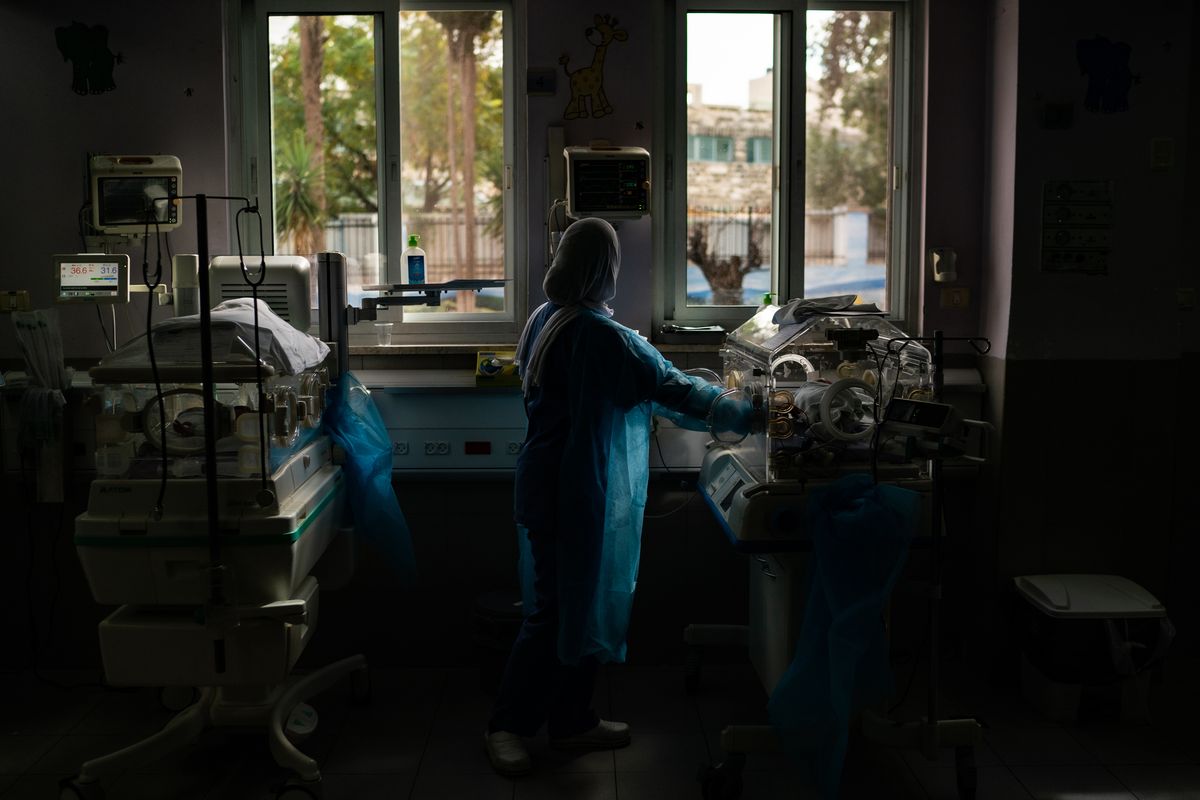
(587, 83)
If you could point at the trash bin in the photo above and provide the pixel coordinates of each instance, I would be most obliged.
(497, 621)
(1089, 641)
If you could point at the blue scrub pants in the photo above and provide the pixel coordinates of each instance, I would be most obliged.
(536, 687)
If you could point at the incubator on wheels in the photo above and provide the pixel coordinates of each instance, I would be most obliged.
(227, 611)
(820, 379)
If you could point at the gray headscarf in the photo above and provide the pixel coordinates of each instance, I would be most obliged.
(583, 276)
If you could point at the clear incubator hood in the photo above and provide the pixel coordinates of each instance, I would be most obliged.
(820, 379)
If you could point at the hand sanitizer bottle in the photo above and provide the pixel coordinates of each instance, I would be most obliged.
(414, 259)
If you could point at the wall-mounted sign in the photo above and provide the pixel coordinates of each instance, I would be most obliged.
(1077, 223)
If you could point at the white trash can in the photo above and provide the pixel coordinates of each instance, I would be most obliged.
(1089, 635)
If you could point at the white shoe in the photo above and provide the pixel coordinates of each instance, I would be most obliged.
(507, 753)
(605, 736)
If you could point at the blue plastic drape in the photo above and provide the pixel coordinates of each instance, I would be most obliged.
(354, 424)
(860, 534)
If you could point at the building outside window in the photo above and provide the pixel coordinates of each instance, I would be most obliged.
(703, 147)
(758, 150)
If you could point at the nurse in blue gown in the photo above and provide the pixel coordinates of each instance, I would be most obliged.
(591, 386)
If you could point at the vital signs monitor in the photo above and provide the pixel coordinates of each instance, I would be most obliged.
(91, 278)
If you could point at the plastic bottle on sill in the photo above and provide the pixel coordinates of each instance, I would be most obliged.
(414, 260)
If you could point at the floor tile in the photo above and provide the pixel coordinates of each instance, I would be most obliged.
(1160, 782)
(652, 700)
(156, 786)
(19, 753)
(1066, 782)
(375, 754)
(984, 757)
(455, 786)
(992, 783)
(548, 759)
(573, 785)
(36, 787)
(776, 785)
(44, 711)
(1019, 745)
(121, 713)
(458, 750)
(254, 779)
(68, 753)
(669, 754)
(368, 787)
(1131, 744)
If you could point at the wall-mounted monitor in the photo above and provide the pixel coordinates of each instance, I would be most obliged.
(129, 191)
(608, 182)
(91, 278)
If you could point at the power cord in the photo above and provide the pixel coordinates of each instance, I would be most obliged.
(104, 331)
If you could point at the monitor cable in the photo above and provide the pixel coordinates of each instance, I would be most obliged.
(265, 497)
(152, 284)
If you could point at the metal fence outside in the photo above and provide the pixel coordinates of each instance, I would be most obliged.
(357, 236)
(728, 232)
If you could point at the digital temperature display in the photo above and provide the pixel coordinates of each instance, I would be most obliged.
(93, 276)
(92, 279)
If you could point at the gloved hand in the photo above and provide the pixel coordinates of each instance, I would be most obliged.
(733, 413)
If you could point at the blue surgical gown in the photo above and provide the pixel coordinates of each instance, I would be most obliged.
(583, 472)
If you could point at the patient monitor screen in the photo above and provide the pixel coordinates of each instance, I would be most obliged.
(93, 279)
(130, 201)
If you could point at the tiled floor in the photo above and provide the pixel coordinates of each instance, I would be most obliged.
(420, 739)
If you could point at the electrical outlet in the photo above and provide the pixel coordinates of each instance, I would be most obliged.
(431, 448)
(541, 81)
(14, 300)
(1185, 299)
(443, 448)
(400, 448)
(956, 297)
(513, 448)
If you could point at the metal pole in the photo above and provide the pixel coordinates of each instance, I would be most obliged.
(208, 387)
(935, 550)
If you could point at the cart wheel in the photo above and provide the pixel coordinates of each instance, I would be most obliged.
(300, 790)
(177, 698)
(72, 789)
(724, 781)
(692, 661)
(360, 686)
(964, 772)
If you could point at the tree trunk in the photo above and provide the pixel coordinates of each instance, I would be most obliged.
(466, 52)
(451, 141)
(312, 66)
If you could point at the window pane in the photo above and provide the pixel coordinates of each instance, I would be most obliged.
(452, 148)
(730, 208)
(847, 208)
(323, 141)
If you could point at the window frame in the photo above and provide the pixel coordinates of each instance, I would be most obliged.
(787, 159)
(249, 150)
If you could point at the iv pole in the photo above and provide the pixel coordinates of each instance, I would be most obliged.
(216, 599)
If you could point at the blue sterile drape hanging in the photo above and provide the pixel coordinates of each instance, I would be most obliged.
(860, 535)
(355, 425)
